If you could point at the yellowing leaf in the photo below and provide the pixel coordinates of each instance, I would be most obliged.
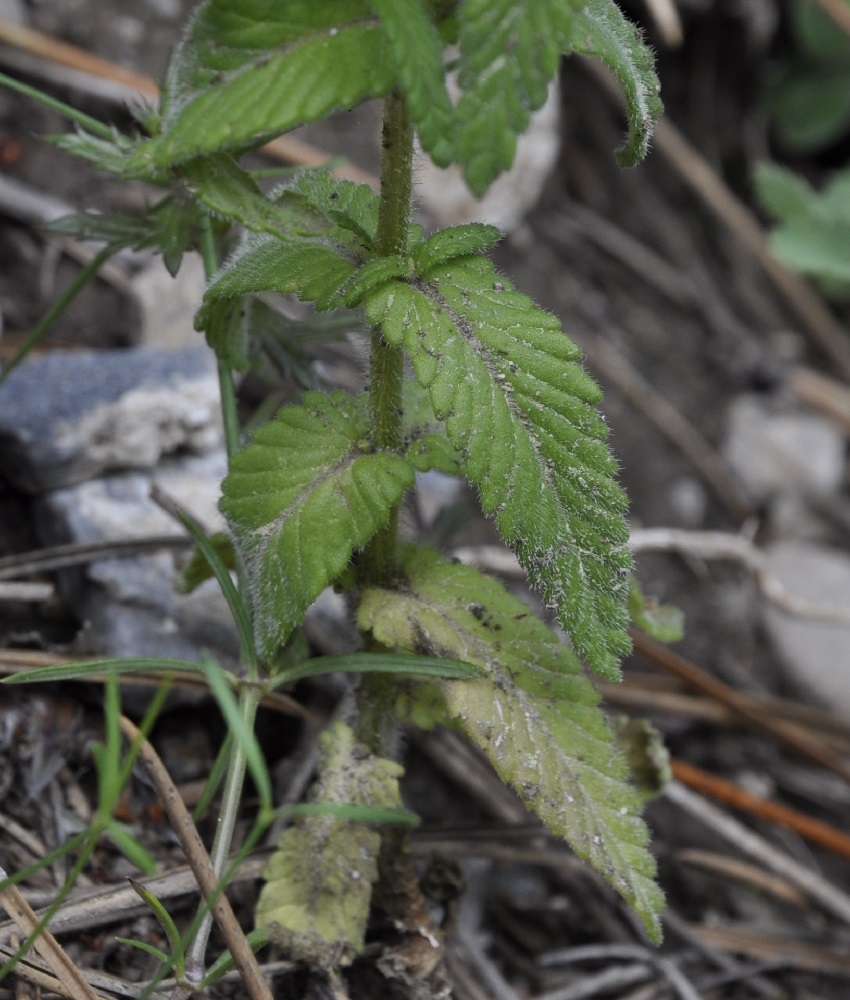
(319, 880)
(534, 715)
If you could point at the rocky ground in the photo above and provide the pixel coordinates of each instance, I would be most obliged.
(726, 391)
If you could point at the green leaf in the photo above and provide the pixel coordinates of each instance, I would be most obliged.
(232, 193)
(244, 736)
(319, 880)
(312, 269)
(221, 571)
(353, 207)
(305, 494)
(257, 939)
(783, 194)
(417, 52)
(601, 30)
(132, 848)
(198, 569)
(248, 72)
(815, 246)
(810, 107)
(534, 715)
(663, 622)
(401, 664)
(456, 241)
(509, 52)
(816, 32)
(315, 268)
(520, 411)
(97, 668)
(165, 922)
(372, 275)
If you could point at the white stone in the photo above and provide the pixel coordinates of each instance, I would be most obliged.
(773, 451)
(815, 655)
(448, 201)
(168, 304)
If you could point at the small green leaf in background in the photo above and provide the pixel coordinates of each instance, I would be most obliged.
(809, 98)
(319, 880)
(305, 494)
(534, 714)
(520, 412)
(813, 235)
(662, 622)
(198, 569)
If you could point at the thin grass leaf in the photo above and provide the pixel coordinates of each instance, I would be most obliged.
(243, 734)
(237, 605)
(257, 938)
(92, 124)
(148, 948)
(132, 849)
(402, 664)
(42, 328)
(165, 921)
(87, 669)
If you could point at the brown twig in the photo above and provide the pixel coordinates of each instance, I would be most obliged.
(788, 733)
(679, 431)
(838, 11)
(45, 944)
(199, 861)
(286, 149)
(808, 881)
(733, 795)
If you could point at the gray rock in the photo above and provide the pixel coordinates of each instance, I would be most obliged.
(814, 655)
(66, 417)
(130, 605)
(774, 450)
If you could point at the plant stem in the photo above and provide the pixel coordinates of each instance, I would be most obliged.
(386, 362)
(378, 562)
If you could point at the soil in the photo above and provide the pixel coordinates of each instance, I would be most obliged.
(655, 286)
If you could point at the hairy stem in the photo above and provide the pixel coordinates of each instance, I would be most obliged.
(378, 563)
(386, 364)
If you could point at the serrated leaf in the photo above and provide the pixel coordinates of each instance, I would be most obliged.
(601, 30)
(372, 275)
(305, 494)
(109, 154)
(231, 193)
(417, 52)
(455, 241)
(319, 879)
(521, 413)
(509, 52)
(312, 269)
(315, 268)
(242, 76)
(535, 715)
